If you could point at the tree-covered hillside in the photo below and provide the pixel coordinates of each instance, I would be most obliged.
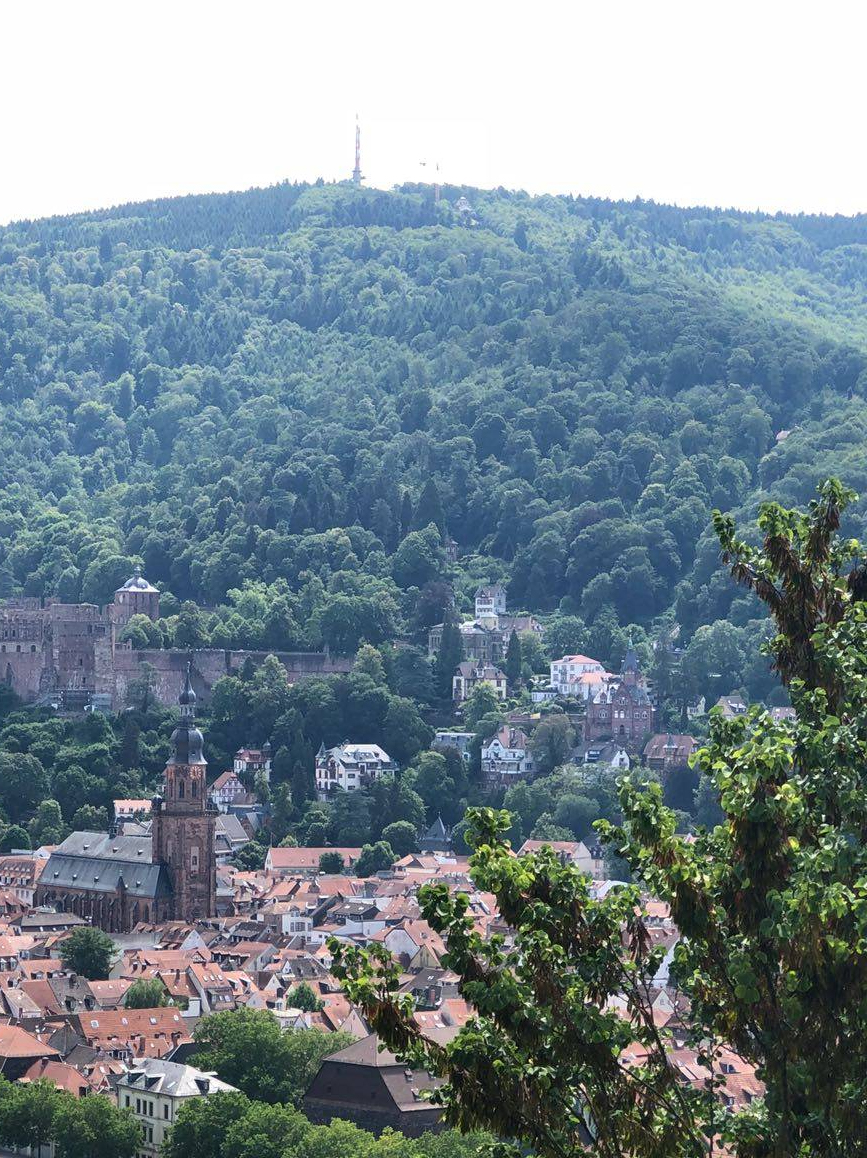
(277, 393)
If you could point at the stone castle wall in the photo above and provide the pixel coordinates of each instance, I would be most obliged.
(61, 647)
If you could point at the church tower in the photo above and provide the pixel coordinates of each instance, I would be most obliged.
(184, 821)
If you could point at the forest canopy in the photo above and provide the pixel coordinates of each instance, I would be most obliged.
(286, 404)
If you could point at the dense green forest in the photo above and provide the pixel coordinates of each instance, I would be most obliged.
(282, 402)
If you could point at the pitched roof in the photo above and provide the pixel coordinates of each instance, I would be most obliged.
(17, 1043)
(225, 778)
(306, 858)
(670, 747)
(61, 1076)
(156, 1076)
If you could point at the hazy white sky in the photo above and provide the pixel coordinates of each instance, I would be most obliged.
(758, 104)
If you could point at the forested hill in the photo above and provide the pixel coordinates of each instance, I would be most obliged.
(287, 386)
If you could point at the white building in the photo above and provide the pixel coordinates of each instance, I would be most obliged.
(227, 790)
(251, 762)
(154, 1090)
(491, 601)
(506, 757)
(350, 767)
(567, 670)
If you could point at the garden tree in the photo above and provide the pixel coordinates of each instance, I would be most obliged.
(142, 632)
(438, 783)
(369, 662)
(146, 993)
(404, 732)
(712, 661)
(393, 798)
(412, 676)
(250, 856)
(201, 1125)
(23, 784)
(47, 825)
(349, 817)
(267, 1131)
(283, 813)
(313, 827)
(331, 862)
(89, 818)
(547, 828)
(28, 1113)
(374, 858)
(449, 655)
(14, 837)
(94, 1127)
(401, 837)
(418, 560)
(88, 951)
(302, 996)
(551, 743)
(768, 904)
(532, 652)
(513, 660)
(482, 701)
(248, 1049)
(230, 1125)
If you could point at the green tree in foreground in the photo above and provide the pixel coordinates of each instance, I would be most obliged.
(771, 905)
(33, 1114)
(230, 1125)
(94, 1127)
(248, 1049)
(146, 993)
(89, 952)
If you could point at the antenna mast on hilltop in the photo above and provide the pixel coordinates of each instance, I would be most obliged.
(356, 172)
(436, 179)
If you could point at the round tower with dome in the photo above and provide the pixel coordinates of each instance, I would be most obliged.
(135, 597)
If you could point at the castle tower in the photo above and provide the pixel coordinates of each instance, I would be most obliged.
(136, 597)
(184, 822)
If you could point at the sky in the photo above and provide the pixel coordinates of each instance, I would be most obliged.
(751, 105)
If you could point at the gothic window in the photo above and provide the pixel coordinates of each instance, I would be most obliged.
(195, 789)
(181, 790)
(194, 859)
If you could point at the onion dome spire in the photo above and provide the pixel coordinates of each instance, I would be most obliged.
(187, 740)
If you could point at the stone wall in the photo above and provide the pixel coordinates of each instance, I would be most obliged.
(209, 665)
(73, 646)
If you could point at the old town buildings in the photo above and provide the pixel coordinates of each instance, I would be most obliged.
(116, 880)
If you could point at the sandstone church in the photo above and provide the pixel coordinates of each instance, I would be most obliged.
(118, 881)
